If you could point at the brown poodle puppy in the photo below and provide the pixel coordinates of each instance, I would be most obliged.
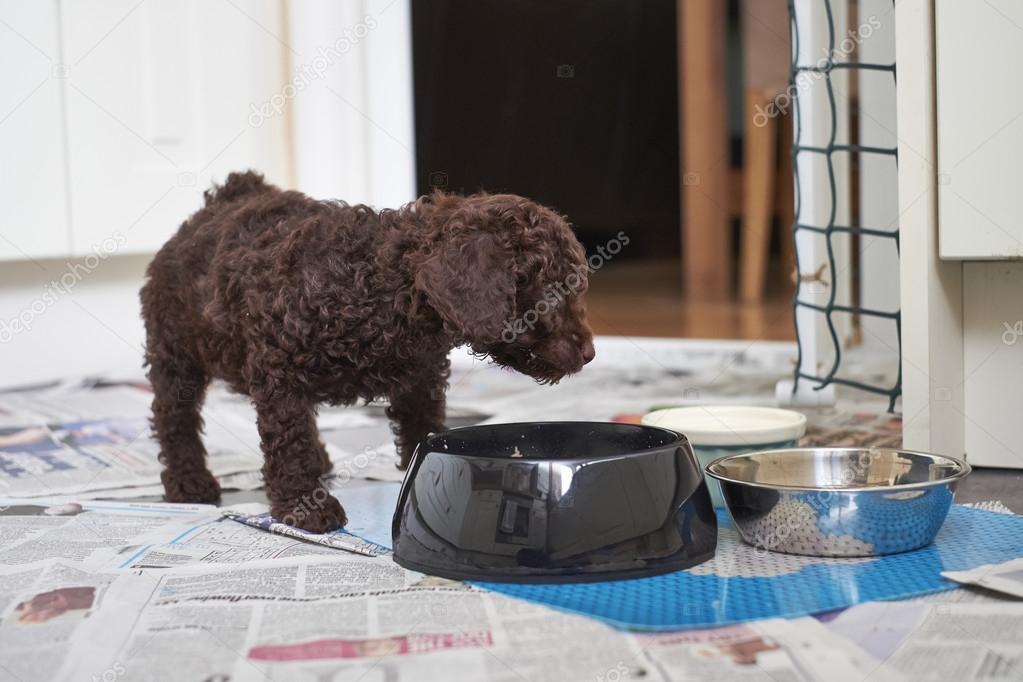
(296, 302)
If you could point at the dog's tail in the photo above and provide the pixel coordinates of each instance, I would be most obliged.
(237, 185)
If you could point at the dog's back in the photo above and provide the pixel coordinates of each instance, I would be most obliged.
(237, 185)
(259, 262)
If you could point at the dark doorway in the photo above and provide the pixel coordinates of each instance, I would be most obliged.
(573, 104)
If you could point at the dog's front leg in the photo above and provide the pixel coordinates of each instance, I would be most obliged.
(294, 463)
(413, 416)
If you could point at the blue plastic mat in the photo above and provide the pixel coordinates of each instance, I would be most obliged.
(370, 510)
(741, 584)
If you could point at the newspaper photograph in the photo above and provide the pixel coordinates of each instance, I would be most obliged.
(45, 607)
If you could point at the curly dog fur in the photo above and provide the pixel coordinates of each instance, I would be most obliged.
(296, 302)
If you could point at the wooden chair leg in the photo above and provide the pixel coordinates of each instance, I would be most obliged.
(706, 222)
(759, 149)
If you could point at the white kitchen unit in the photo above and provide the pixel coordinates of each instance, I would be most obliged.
(978, 54)
(33, 185)
(125, 111)
(960, 138)
(117, 114)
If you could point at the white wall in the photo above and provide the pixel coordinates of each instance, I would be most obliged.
(62, 318)
(31, 120)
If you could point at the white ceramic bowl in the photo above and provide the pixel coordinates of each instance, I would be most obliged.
(717, 431)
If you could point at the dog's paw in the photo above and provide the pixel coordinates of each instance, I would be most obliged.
(190, 486)
(317, 513)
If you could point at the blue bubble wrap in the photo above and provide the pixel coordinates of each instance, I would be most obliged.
(742, 584)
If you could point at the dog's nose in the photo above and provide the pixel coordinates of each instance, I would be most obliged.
(588, 352)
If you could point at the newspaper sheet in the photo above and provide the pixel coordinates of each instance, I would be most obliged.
(213, 612)
(931, 640)
(212, 540)
(76, 403)
(115, 535)
(337, 615)
(242, 480)
(34, 529)
(774, 650)
(246, 604)
(365, 618)
(125, 591)
(338, 539)
(72, 442)
(1005, 577)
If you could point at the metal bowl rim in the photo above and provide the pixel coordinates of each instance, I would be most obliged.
(677, 439)
(964, 471)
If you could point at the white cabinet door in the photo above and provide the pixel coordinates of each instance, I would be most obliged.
(979, 57)
(160, 97)
(33, 208)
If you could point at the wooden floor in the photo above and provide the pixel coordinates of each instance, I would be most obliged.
(644, 298)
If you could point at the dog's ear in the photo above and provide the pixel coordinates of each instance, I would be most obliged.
(469, 281)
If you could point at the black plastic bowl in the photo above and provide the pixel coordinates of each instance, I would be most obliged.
(553, 502)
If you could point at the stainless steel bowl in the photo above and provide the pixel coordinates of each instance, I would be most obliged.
(838, 502)
(553, 502)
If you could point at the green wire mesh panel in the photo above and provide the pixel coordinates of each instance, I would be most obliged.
(823, 70)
